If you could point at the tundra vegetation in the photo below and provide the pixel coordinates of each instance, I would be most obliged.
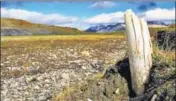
(81, 67)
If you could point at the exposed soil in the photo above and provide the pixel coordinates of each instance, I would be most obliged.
(116, 85)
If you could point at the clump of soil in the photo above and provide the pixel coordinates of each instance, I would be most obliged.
(116, 85)
(108, 88)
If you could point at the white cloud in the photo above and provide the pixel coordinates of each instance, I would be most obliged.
(37, 17)
(159, 14)
(83, 23)
(103, 4)
(78, 25)
(155, 14)
(106, 18)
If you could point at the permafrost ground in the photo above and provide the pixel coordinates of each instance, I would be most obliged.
(38, 70)
(76, 68)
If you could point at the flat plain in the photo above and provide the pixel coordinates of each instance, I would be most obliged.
(39, 67)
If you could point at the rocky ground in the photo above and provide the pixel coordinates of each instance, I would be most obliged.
(40, 70)
(79, 69)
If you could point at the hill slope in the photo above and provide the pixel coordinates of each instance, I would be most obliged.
(11, 26)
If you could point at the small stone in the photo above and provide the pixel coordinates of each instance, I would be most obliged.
(85, 53)
(117, 91)
(26, 93)
(36, 87)
(154, 97)
(47, 81)
(39, 78)
(65, 76)
(89, 100)
(99, 83)
(83, 67)
(30, 79)
(42, 98)
(15, 84)
(7, 99)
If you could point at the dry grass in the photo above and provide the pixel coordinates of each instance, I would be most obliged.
(162, 56)
(70, 90)
(60, 37)
(164, 60)
(38, 51)
(18, 45)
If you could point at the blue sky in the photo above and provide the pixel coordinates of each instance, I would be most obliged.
(84, 14)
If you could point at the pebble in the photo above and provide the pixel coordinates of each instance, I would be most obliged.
(89, 100)
(154, 97)
(30, 79)
(84, 67)
(65, 76)
(117, 91)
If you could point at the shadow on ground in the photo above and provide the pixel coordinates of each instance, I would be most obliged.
(157, 89)
(124, 71)
(116, 85)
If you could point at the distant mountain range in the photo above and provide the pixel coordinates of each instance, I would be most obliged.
(121, 26)
(106, 28)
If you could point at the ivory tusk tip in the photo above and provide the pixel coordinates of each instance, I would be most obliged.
(128, 12)
(142, 20)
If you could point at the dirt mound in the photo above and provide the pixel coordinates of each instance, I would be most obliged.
(116, 85)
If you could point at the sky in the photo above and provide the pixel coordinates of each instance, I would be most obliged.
(82, 15)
